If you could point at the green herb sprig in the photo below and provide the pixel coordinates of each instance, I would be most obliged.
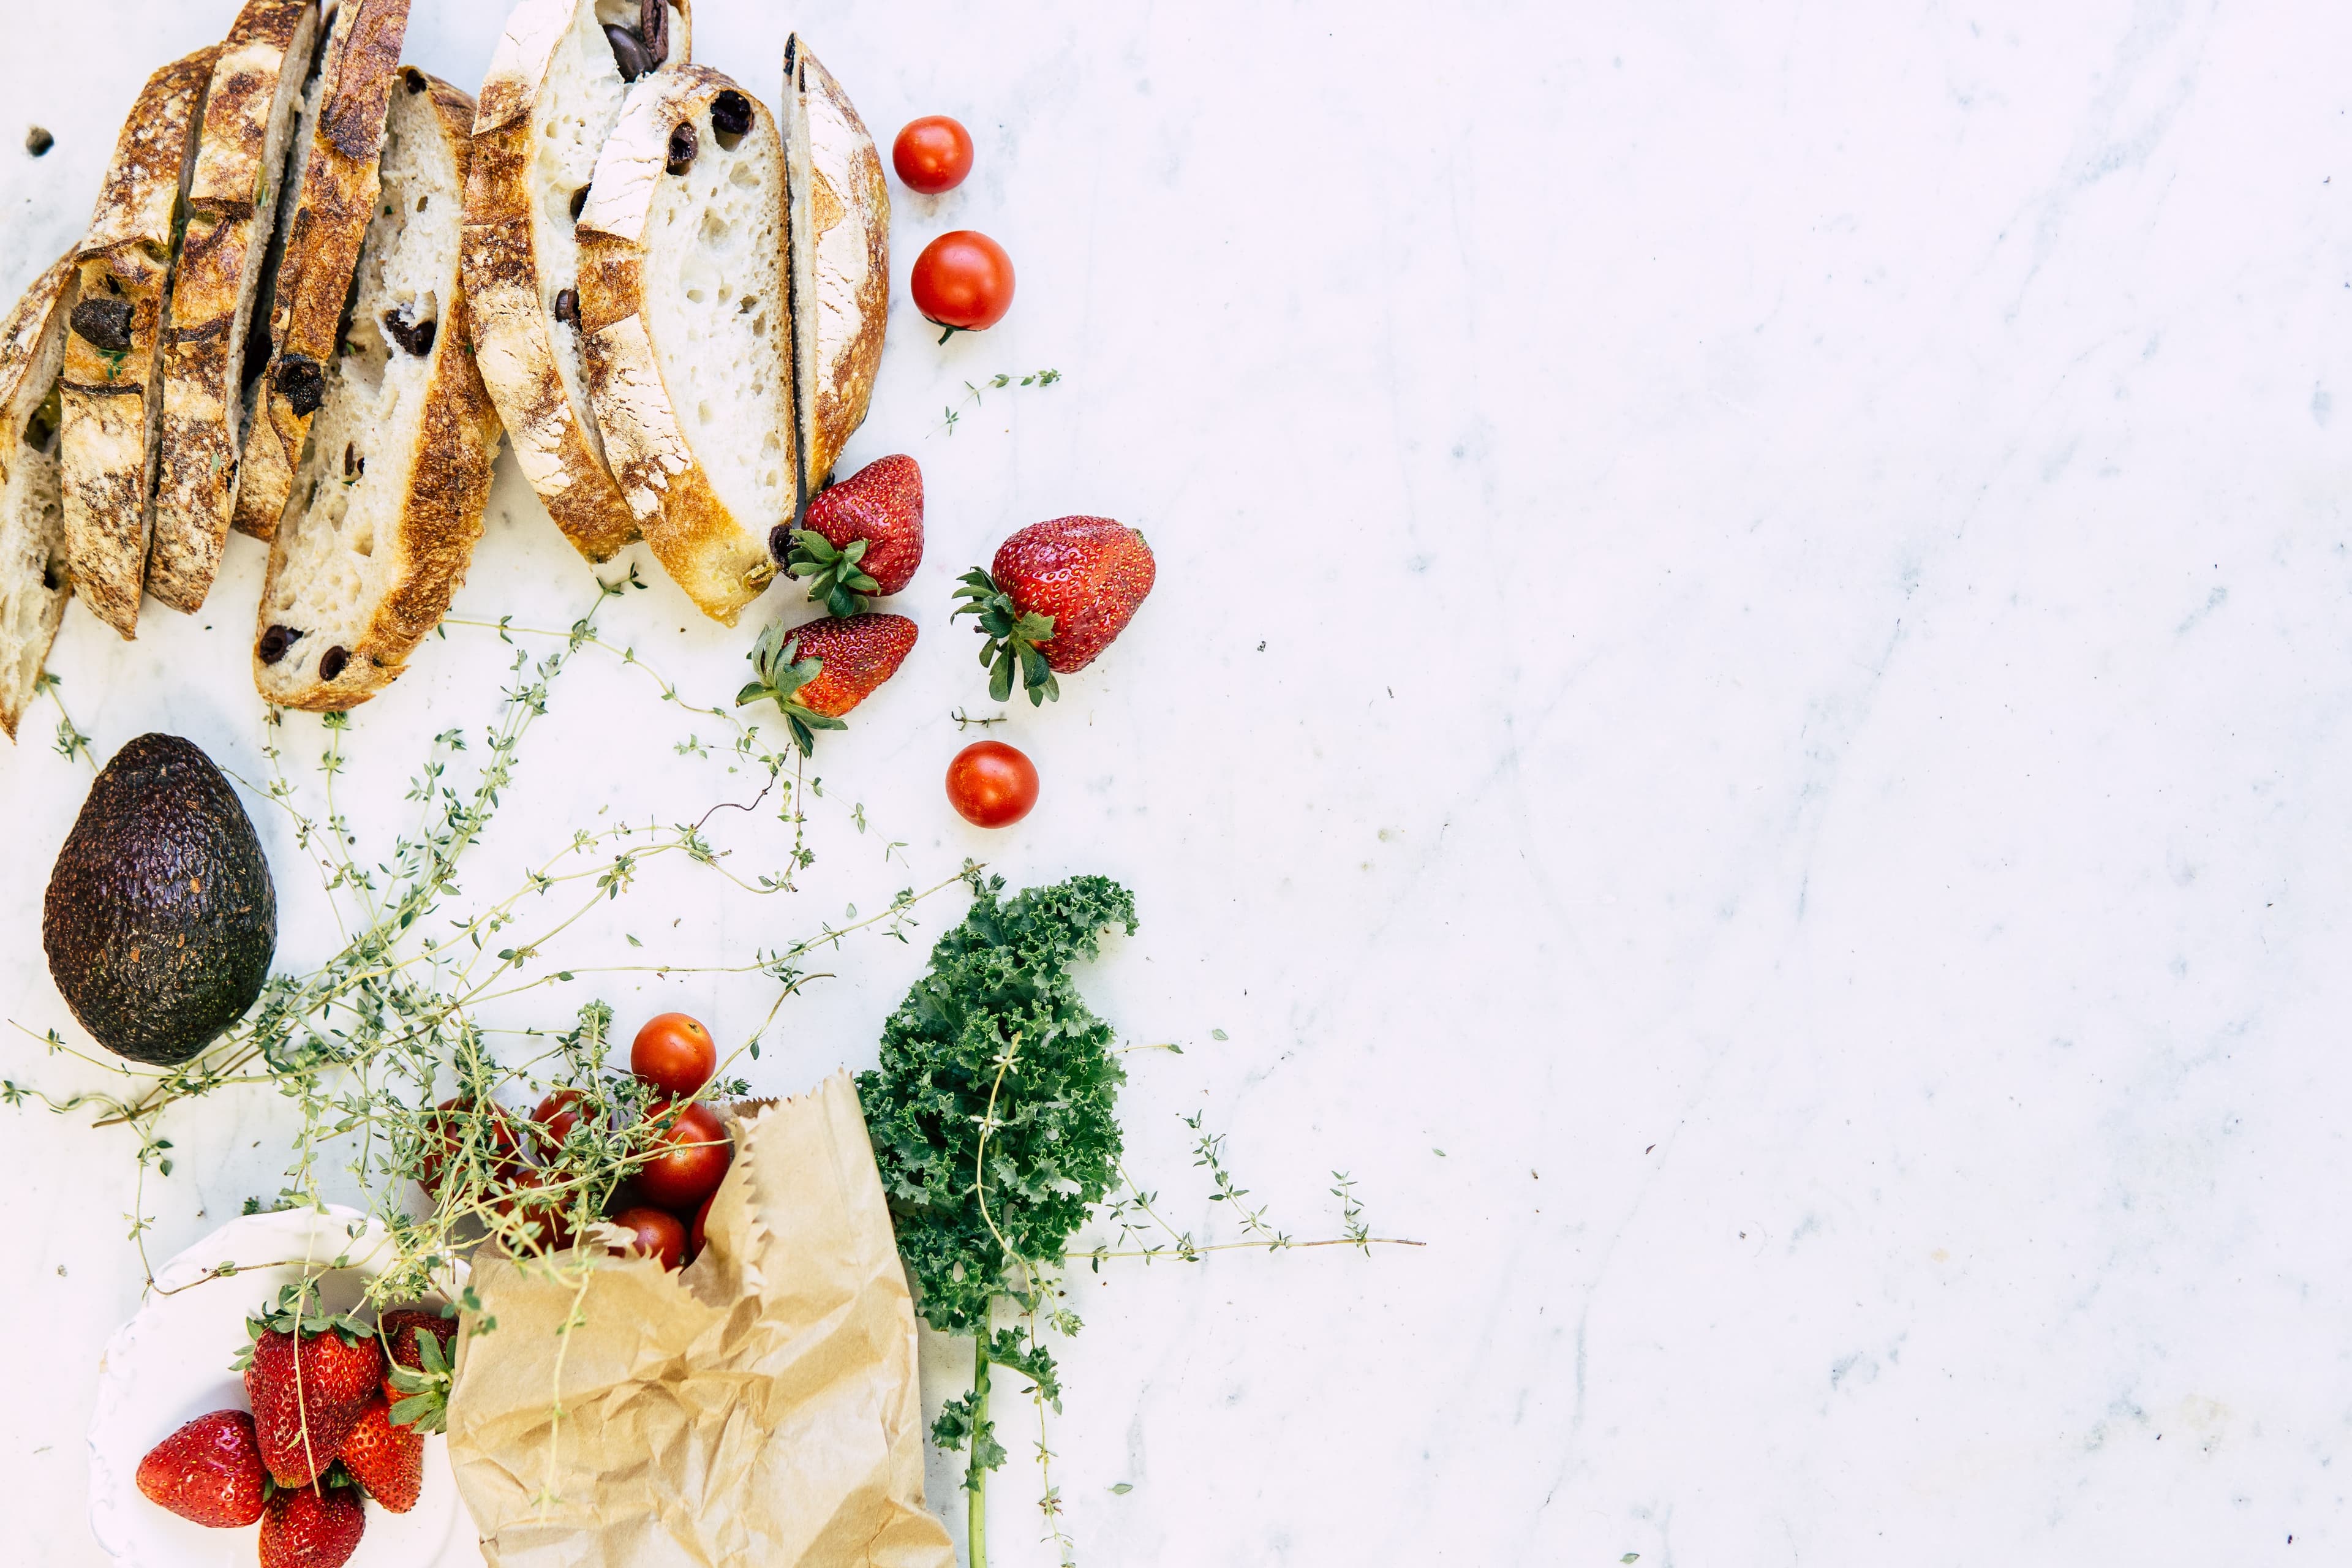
(994, 1120)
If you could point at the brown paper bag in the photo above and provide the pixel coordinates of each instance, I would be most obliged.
(760, 1409)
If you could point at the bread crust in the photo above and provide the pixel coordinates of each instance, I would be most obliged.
(107, 450)
(20, 343)
(26, 349)
(231, 192)
(447, 489)
(720, 564)
(847, 248)
(340, 184)
(552, 442)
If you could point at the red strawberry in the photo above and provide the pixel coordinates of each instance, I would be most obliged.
(209, 1471)
(404, 1331)
(865, 535)
(1057, 594)
(386, 1458)
(308, 1529)
(308, 1377)
(821, 669)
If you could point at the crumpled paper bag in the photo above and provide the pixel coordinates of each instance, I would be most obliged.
(762, 1407)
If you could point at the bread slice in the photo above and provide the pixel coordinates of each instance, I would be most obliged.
(389, 498)
(249, 119)
(113, 395)
(683, 299)
(840, 260)
(554, 90)
(331, 215)
(35, 582)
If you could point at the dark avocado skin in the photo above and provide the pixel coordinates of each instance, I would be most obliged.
(161, 919)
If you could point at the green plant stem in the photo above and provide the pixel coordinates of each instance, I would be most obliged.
(975, 1482)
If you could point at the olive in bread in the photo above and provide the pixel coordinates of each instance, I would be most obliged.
(388, 500)
(35, 582)
(251, 112)
(840, 259)
(332, 212)
(113, 396)
(683, 299)
(555, 89)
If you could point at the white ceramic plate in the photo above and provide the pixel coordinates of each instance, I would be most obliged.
(170, 1364)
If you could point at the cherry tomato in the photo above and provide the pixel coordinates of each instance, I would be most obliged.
(702, 1221)
(479, 1145)
(658, 1234)
(992, 785)
(545, 1219)
(675, 1054)
(962, 281)
(552, 1122)
(932, 154)
(691, 1159)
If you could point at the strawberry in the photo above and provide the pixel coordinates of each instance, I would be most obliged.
(865, 535)
(421, 1346)
(209, 1471)
(385, 1457)
(308, 1375)
(819, 671)
(1057, 594)
(312, 1528)
(404, 1330)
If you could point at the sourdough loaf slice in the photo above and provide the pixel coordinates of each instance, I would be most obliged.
(33, 581)
(250, 115)
(840, 258)
(388, 501)
(555, 87)
(112, 394)
(389, 497)
(331, 214)
(683, 299)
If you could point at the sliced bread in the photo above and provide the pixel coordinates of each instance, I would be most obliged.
(388, 500)
(331, 215)
(840, 258)
(34, 582)
(112, 394)
(683, 301)
(554, 90)
(250, 115)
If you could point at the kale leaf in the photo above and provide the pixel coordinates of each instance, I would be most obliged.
(997, 1013)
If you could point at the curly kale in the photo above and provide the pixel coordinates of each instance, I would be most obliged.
(999, 988)
(994, 1122)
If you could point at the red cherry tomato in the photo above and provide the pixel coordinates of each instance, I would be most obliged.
(932, 154)
(552, 1122)
(992, 785)
(675, 1054)
(657, 1235)
(702, 1222)
(691, 1156)
(962, 281)
(545, 1219)
(484, 1147)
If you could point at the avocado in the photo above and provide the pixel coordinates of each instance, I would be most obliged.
(161, 919)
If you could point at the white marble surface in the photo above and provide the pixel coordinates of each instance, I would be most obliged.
(1746, 717)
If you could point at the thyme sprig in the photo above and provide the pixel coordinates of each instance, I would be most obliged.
(975, 393)
(397, 1083)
